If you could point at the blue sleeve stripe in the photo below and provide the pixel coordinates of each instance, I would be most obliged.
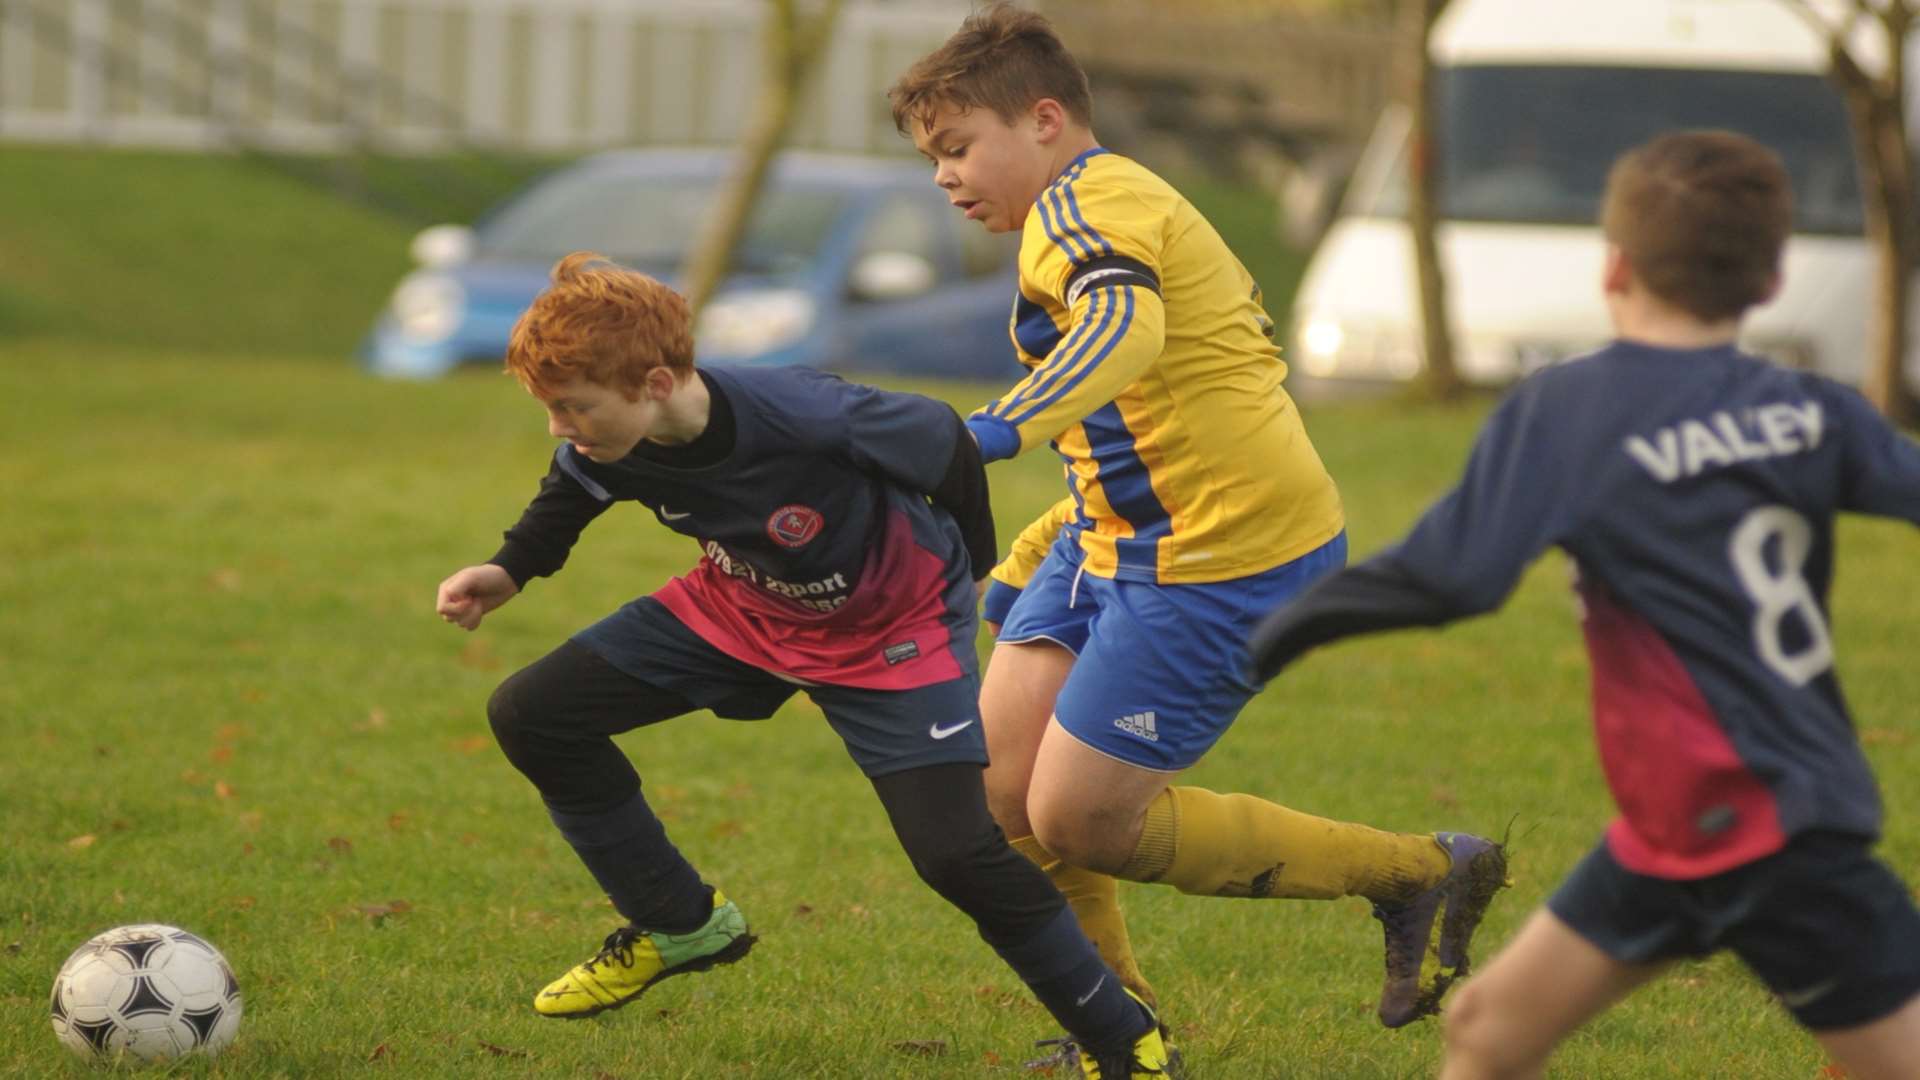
(1073, 205)
(1106, 349)
(1050, 222)
(1033, 328)
(1077, 347)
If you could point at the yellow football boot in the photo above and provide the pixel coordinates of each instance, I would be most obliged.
(632, 960)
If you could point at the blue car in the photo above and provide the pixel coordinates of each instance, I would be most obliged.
(848, 264)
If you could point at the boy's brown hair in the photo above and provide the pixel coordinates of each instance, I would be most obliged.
(602, 323)
(1701, 217)
(1002, 58)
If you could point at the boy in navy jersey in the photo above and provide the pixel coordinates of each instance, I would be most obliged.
(839, 526)
(1695, 489)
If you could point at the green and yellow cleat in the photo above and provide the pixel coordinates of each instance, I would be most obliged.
(632, 960)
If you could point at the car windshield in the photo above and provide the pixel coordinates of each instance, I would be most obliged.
(650, 223)
(1533, 144)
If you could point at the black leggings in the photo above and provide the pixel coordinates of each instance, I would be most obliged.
(555, 720)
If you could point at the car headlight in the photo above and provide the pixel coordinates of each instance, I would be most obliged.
(428, 307)
(749, 324)
(1331, 348)
(1320, 341)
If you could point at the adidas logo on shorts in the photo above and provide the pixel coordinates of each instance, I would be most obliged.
(1141, 724)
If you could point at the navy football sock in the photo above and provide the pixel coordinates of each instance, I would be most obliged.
(645, 876)
(1065, 972)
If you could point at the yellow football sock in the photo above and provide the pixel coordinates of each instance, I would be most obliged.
(1208, 844)
(1095, 901)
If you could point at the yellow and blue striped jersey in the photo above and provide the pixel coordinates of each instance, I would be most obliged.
(1153, 373)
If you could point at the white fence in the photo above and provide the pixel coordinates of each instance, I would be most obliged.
(399, 75)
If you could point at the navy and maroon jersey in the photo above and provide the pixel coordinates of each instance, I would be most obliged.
(822, 559)
(1696, 493)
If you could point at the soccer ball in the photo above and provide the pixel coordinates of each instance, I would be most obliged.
(151, 992)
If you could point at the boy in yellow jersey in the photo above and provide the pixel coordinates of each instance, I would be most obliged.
(1195, 503)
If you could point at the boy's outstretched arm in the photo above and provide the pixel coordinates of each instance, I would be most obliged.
(1118, 330)
(1379, 594)
(1882, 466)
(536, 546)
(1462, 558)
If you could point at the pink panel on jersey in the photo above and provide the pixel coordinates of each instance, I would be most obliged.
(895, 611)
(1689, 806)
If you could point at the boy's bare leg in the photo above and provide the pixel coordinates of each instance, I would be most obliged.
(1886, 1049)
(1105, 814)
(1506, 1020)
(1016, 701)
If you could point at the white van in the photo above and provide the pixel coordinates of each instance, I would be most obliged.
(1536, 98)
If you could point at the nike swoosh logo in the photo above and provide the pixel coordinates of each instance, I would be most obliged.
(1090, 993)
(1793, 999)
(939, 732)
(668, 515)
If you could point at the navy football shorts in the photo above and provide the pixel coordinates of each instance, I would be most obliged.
(1826, 926)
(886, 731)
(1161, 670)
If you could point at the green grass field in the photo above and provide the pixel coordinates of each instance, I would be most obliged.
(228, 705)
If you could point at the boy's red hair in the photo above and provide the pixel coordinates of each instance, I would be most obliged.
(603, 323)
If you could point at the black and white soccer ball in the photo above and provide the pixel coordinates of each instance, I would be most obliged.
(150, 992)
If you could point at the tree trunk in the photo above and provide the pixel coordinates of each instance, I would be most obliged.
(1440, 378)
(793, 48)
(1876, 109)
(1890, 228)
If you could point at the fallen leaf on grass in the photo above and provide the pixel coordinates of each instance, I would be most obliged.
(728, 829)
(82, 842)
(380, 913)
(14, 947)
(340, 844)
(472, 744)
(397, 821)
(801, 911)
(222, 789)
(379, 1052)
(221, 755)
(242, 903)
(230, 732)
(502, 1051)
(921, 1047)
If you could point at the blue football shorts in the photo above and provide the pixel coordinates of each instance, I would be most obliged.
(1161, 670)
(885, 731)
(1826, 926)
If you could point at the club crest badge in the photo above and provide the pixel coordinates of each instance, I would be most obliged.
(794, 525)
